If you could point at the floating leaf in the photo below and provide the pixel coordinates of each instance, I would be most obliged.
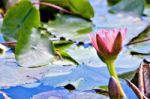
(136, 7)
(82, 77)
(69, 27)
(13, 75)
(64, 94)
(89, 57)
(77, 6)
(63, 44)
(141, 48)
(141, 43)
(34, 49)
(112, 2)
(17, 20)
(81, 80)
(142, 36)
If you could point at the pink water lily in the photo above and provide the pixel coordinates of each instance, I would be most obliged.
(108, 43)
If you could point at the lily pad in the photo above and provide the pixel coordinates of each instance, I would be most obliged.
(134, 7)
(64, 94)
(13, 24)
(140, 44)
(13, 75)
(83, 77)
(70, 27)
(143, 47)
(34, 50)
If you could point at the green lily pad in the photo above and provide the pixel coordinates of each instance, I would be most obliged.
(134, 7)
(34, 50)
(70, 27)
(17, 20)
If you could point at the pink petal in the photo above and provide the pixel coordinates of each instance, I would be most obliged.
(102, 43)
(123, 33)
(115, 32)
(106, 37)
(117, 46)
(93, 40)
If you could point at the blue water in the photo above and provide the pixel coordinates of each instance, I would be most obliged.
(26, 93)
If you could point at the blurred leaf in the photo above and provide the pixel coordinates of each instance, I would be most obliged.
(136, 7)
(112, 2)
(69, 27)
(33, 49)
(90, 57)
(147, 1)
(140, 49)
(142, 35)
(139, 45)
(13, 75)
(60, 47)
(77, 6)
(65, 94)
(65, 55)
(62, 44)
(83, 77)
(17, 20)
(128, 75)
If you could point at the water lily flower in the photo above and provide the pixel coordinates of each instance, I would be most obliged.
(108, 44)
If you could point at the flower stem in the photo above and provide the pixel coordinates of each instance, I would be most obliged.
(112, 71)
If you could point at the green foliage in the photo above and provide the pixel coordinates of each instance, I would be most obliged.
(34, 49)
(61, 47)
(20, 18)
(136, 7)
(112, 2)
(70, 27)
(80, 7)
